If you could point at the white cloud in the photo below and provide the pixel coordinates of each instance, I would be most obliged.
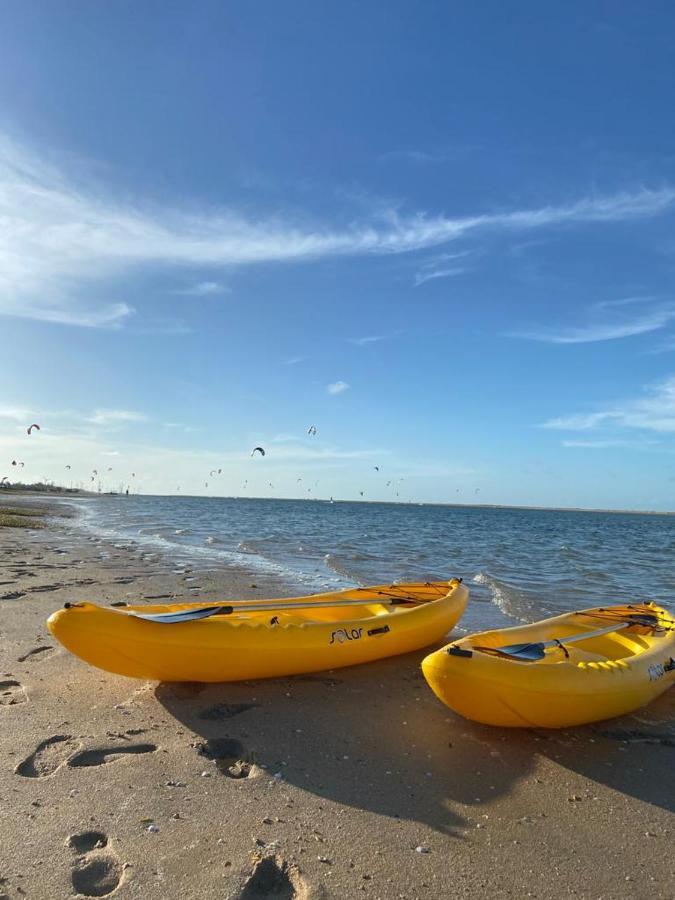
(420, 157)
(655, 411)
(115, 417)
(616, 325)
(293, 361)
(594, 445)
(17, 413)
(283, 438)
(204, 289)
(61, 244)
(439, 266)
(423, 277)
(373, 339)
(338, 387)
(579, 422)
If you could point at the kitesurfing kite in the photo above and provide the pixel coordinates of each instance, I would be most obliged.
(257, 450)
(31, 427)
(67, 467)
(311, 429)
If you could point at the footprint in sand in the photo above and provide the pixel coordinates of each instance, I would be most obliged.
(271, 877)
(47, 757)
(229, 756)
(11, 693)
(34, 652)
(97, 871)
(99, 756)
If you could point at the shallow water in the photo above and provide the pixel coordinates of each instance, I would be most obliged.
(520, 564)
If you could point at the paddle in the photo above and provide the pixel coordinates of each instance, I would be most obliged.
(204, 612)
(531, 652)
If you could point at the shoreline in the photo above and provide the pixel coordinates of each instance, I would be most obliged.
(347, 773)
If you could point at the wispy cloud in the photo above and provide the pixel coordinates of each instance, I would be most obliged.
(284, 438)
(440, 266)
(654, 411)
(423, 277)
(293, 361)
(180, 427)
(419, 157)
(204, 289)
(16, 413)
(115, 417)
(615, 324)
(578, 422)
(594, 445)
(62, 245)
(337, 387)
(373, 339)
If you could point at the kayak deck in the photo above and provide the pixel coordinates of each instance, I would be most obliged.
(614, 646)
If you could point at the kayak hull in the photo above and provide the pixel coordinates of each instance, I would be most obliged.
(603, 677)
(242, 646)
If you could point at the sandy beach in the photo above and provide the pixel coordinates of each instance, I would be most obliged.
(353, 783)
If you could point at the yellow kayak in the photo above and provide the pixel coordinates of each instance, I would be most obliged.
(239, 640)
(572, 669)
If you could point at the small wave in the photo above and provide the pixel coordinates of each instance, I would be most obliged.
(571, 552)
(508, 599)
(337, 566)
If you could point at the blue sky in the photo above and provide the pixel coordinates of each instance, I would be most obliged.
(441, 234)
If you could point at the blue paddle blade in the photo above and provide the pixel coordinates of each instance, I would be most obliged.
(529, 652)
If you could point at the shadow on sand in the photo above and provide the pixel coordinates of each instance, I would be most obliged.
(634, 754)
(375, 738)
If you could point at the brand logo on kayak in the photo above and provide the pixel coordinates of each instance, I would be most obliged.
(342, 635)
(658, 670)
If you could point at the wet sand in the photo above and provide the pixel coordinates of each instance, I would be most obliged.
(350, 783)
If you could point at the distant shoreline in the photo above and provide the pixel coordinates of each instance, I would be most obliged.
(82, 494)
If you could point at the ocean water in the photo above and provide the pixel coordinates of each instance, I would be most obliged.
(519, 564)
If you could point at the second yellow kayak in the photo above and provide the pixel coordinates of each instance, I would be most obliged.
(572, 669)
(240, 640)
